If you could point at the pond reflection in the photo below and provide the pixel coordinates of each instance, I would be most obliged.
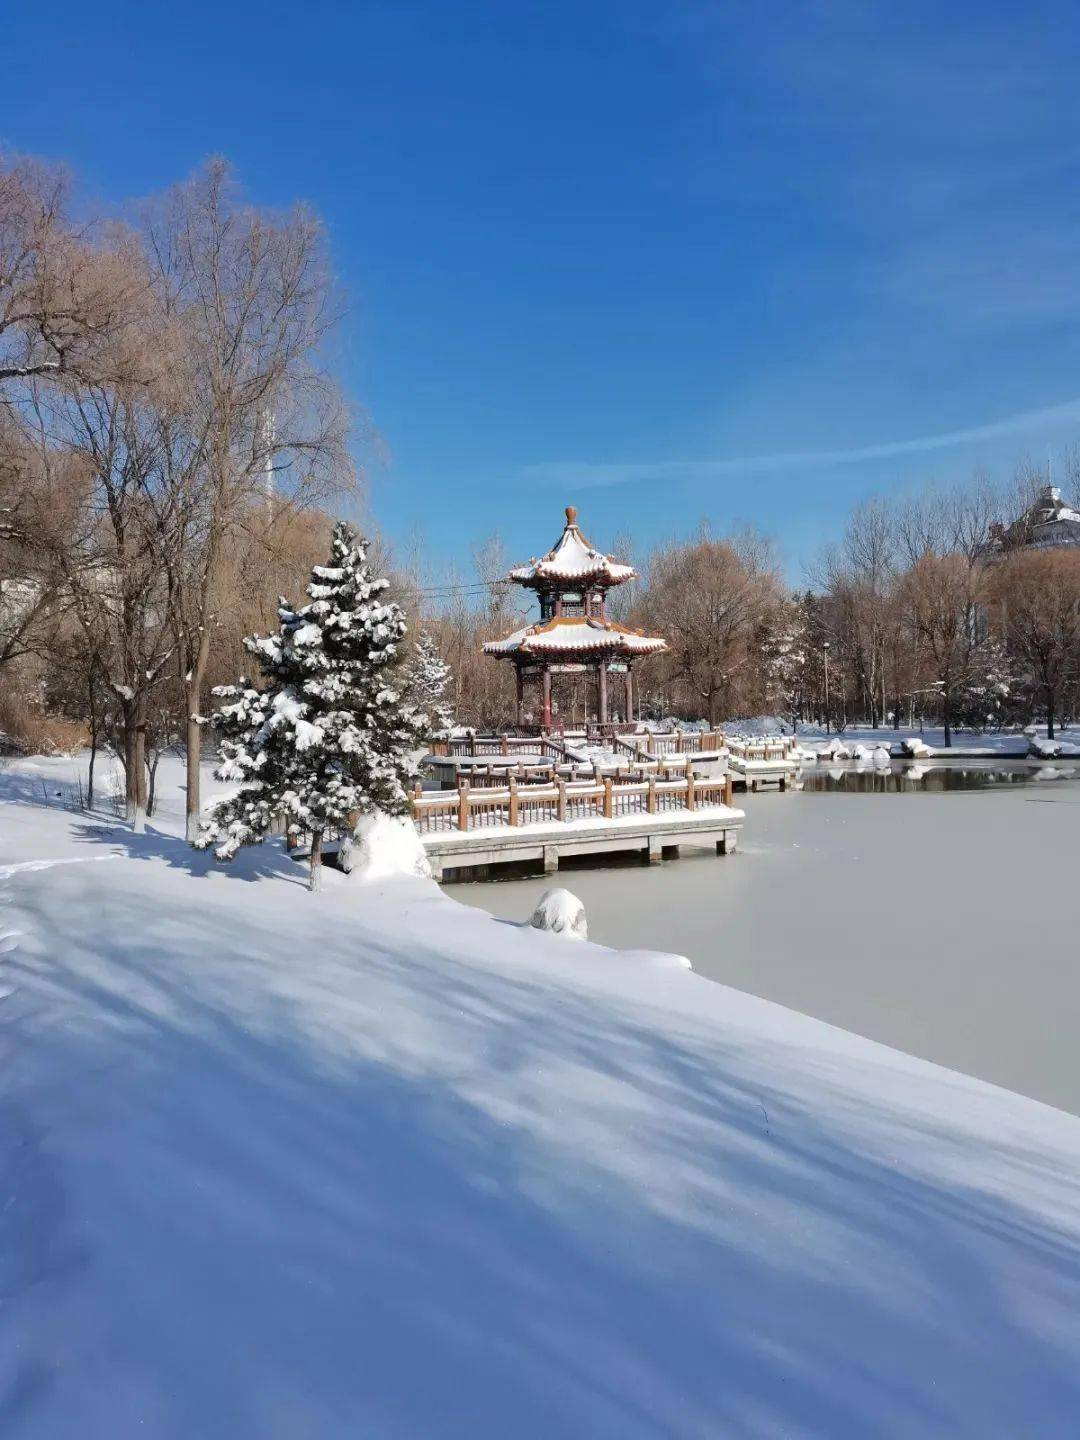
(903, 778)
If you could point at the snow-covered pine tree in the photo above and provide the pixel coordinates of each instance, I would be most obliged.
(426, 679)
(330, 733)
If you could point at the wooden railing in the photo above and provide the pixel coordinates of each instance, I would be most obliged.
(681, 742)
(562, 801)
(468, 747)
(676, 742)
(766, 747)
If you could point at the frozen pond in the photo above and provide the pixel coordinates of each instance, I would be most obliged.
(945, 923)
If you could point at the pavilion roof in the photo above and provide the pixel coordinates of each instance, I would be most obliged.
(572, 559)
(574, 635)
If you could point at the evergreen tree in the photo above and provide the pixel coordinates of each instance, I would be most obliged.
(330, 733)
(426, 680)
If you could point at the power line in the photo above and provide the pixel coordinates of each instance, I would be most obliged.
(475, 588)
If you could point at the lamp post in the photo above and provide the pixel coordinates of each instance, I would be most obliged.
(825, 652)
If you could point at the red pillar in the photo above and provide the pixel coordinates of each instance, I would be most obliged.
(601, 697)
(545, 714)
(629, 695)
(520, 692)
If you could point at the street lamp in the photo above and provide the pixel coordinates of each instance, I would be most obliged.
(825, 652)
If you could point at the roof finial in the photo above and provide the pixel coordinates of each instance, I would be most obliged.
(571, 514)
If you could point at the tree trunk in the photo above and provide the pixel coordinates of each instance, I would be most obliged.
(193, 748)
(93, 749)
(138, 779)
(130, 767)
(193, 688)
(1050, 707)
(152, 792)
(947, 718)
(315, 882)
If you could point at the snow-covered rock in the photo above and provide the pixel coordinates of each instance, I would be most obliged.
(562, 913)
(881, 757)
(916, 748)
(834, 750)
(1045, 749)
(383, 847)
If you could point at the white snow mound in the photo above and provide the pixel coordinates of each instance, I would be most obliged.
(383, 847)
(561, 913)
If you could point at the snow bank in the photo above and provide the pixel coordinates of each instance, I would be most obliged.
(561, 913)
(383, 847)
(285, 1169)
(755, 725)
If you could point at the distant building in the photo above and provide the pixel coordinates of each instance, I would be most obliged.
(1047, 524)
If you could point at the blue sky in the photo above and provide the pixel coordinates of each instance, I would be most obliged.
(741, 261)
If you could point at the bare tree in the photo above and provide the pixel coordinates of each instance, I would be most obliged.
(709, 598)
(66, 290)
(942, 594)
(257, 421)
(859, 574)
(1039, 597)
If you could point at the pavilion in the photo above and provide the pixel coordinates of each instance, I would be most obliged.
(573, 635)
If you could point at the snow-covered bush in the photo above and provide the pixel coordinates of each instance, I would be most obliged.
(330, 734)
(561, 913)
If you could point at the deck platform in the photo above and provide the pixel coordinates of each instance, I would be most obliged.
(714, 828)
(754, 774)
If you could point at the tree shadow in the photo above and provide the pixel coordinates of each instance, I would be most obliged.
(254, 862)
(368, 1189)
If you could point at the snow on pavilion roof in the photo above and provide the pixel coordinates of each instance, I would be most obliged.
(570, 559)
(572, 635)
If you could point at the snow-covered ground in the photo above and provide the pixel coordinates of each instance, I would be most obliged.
(373, 1163)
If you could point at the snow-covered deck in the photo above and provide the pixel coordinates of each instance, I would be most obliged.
(714, 827)
(542, 822)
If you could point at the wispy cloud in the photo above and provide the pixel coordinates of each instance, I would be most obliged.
(582, 474)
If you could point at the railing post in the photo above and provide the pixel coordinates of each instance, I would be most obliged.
(691, 796)
(609, 809)
(650, 797)
(727, 789)
(505, 746)
(513, 801)
(463, 807)
(560, 804)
